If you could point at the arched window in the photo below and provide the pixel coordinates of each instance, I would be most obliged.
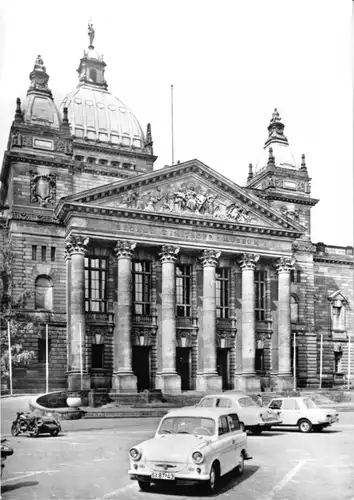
(93, 75)
(294, 309)
(44, 293)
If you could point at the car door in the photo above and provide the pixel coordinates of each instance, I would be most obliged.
(290, 411)
(276, 405)
(226, 447)
(238, 436)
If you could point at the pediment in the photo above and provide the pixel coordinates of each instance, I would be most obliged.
(189, 190)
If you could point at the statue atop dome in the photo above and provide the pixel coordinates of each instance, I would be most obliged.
(39, 64)
(91, 34)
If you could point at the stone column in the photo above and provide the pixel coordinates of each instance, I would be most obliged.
(249, 380)
(208, 378)
(76, 247)
(67, 257)
(123, 378)
(167, 378)
(284, 379)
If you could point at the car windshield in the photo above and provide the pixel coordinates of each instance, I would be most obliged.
(246, 401)
(187, 425)
(309, 403)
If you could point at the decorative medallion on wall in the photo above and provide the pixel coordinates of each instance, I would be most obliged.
(43, 189)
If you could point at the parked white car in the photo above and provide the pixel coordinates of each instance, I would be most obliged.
(253, 418)
(303, 413)
(191, 446)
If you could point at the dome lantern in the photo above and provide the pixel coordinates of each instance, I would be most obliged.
(92, 65)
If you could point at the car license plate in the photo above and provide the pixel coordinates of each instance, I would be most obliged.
(163, 475)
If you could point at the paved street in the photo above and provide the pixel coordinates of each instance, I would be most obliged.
(93, 465)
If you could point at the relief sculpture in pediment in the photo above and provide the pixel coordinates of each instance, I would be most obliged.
(186, 198)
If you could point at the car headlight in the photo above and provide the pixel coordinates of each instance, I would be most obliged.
(135, 454)
(198, 457)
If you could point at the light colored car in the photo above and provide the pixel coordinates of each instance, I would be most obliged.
(191, 446)
(303, 413)
(253, 417)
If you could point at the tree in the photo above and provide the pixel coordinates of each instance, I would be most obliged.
(14, 298)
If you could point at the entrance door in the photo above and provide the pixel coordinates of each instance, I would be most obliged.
(141, 367)
(223, 366)
(183, 366)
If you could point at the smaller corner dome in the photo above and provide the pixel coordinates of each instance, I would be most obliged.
(41, 110)
(95, 114)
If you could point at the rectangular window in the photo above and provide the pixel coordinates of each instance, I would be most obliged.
(259, 360)
(44, 254)
(95, 284)
(183, 290)
(52, 254)
(34, 252)
(260, 278)
(142, 287)
(97, 355)
(222, 292)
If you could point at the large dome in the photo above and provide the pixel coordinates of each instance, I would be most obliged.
(96, 114)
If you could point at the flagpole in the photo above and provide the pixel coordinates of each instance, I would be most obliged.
(294, 363)
(321, 360)
(10, 354)
(173, 154)
(349, 374)
(80, 355)
(46, 359)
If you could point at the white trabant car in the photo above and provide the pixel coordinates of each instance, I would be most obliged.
(253, 418)
(191, 446)
(303, 413)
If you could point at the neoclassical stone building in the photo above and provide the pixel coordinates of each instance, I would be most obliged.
(174, 279)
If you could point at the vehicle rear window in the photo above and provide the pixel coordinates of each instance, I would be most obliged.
(309, 403)
(246, 401)
(223, 403)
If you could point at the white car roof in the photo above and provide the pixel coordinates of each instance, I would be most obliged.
(226, 395)
(199, 412)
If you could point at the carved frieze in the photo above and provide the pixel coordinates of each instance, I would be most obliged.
(303, 246)
(59, 145)
(186, 198)
(185, 338)
(143, 336)
(43, 189)
(27, 140)
(225, 338)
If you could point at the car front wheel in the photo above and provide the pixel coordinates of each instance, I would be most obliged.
(144, 485)
(305, 425)
(213, 480)
(241, 466)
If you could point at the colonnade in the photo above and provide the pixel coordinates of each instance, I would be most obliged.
(167, 379)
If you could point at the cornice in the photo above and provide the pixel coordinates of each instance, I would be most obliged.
(70, 210)
(111, 149)
(332, 260)
(289, 197)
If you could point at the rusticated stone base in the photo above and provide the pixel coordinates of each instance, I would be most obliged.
(168, 383)
(124, 382)
(209, 382)
(248, 383)
(283, 383)
(75, 384)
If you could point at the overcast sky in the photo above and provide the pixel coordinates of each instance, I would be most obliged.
(231, 63)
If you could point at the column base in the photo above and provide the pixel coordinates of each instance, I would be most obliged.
(209, 382)
(168, 383)
(74, 381)
(124, 382)
(283, 383)
(248, 383)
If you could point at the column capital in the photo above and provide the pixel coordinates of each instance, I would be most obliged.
(248, 261)
(125, 249)
(76, 245)
(169, 253)
(210, 258)
(284, 264)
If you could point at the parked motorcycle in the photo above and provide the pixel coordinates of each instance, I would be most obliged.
(6, 451)
(35, 425)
